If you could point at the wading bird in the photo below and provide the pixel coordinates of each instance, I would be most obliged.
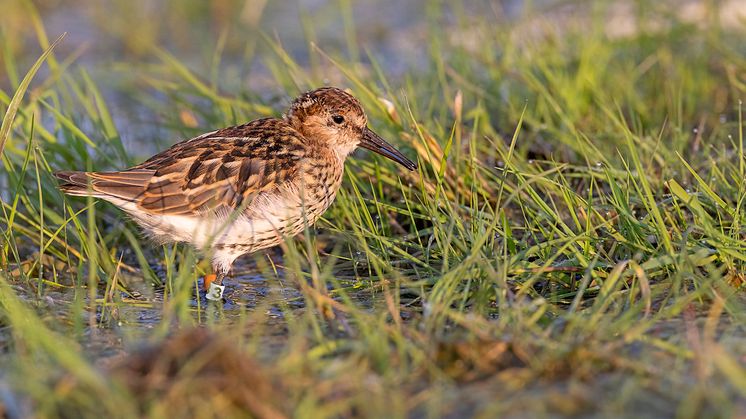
(244, 188)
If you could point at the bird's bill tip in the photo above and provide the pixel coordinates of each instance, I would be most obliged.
(376, 144)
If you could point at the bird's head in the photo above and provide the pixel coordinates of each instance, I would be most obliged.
(335, 118)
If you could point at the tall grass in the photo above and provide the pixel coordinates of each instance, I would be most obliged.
(572, 242)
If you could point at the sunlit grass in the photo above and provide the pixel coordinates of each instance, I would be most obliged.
(573, 240)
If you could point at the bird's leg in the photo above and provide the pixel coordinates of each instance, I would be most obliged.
(208, 271)
(209, 279)
(215, 287)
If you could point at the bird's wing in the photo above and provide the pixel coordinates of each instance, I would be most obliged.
(218, 171)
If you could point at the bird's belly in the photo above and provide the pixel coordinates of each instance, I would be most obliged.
(271, 224)
(242, 233)
(270, 219)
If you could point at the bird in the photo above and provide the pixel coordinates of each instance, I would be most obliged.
(244, 188)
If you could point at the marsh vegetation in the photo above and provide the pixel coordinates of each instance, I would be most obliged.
(572, 244)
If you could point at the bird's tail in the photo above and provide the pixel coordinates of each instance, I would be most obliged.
(126, 185)
(75, 183)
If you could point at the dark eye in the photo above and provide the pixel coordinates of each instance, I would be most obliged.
(338, 119)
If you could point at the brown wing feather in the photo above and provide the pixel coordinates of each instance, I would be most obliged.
(128, 185)
(223, 169)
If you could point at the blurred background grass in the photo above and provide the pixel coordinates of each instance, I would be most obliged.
(572, 245)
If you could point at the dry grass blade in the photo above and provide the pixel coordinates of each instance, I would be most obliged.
(195, 368)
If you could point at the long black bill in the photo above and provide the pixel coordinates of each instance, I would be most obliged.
(374, 143)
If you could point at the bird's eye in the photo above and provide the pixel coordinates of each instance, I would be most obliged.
(338, 119)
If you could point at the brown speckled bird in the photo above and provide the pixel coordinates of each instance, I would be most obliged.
(241, 189)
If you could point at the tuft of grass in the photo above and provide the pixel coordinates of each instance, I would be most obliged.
(572, 243)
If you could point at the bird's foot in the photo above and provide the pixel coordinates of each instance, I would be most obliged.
(209, 279)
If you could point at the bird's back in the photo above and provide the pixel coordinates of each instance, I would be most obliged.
(241, 185)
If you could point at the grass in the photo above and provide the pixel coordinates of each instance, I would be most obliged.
(572, 244)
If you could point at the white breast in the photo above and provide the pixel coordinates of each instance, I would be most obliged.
(269, 220)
